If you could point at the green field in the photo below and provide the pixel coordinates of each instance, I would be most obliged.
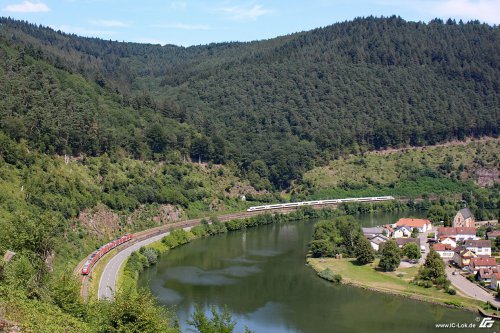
(397, 282)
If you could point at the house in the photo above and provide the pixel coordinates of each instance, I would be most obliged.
(485, 274)
(445, 251)
(492, 235)
(370, 232)
(448, 240)
(462, 256)
(481, 247)
(402, 232)
(463, 219)
(388, 230)
(460, 234)
(477, 263)
(403, 241)
(377, 240)
(421, 224)
(495, 281)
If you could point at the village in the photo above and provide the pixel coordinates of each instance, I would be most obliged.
(467, 247)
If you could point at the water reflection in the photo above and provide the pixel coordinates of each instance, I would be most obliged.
(260, 274)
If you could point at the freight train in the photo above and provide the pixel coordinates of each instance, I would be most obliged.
(318, 202)
(96, 255)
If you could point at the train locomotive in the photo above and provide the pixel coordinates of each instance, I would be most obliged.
(318, 202)
(96, 255)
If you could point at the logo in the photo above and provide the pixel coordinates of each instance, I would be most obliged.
(487, 322)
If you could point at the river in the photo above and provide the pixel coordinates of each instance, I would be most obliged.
(260, 274)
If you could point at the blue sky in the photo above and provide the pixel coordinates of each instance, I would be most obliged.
(192, 22)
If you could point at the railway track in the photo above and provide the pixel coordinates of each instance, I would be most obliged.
(148, 236)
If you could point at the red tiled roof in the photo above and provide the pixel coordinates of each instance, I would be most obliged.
(483, 262)
(442, 247)
(414, 223)
(450, 231)
(494, 233)
(486, 273)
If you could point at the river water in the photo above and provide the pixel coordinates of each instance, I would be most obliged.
(261, 276)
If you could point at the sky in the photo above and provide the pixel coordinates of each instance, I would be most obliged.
(194, 22)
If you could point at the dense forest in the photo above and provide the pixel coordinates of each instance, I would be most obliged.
(276, 108)
(96, 140)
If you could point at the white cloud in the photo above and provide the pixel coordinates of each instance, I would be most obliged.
(183, 26)
(244, 13)
(483, 10)
(110, 23)
(27, 7)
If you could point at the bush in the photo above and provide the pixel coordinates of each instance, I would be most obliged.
(328, 275)
(150, 254)
(451, 291)
(321, 248)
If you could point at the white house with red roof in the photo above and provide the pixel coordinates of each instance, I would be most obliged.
(422, 225)
(477, 263)
(445, 251)
(485, 274)
(459, 234)
(448, 240)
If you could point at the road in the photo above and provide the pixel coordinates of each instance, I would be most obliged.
(107, 282)
(109, 276)
(470, 289)
(423, 241)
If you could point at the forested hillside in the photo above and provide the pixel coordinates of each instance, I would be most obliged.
(275, 107)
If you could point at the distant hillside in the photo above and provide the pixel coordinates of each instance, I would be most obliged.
(276, 107)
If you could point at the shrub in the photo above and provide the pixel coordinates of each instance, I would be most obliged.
(328, 275)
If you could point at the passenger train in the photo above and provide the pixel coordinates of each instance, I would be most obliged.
(318, 202)
(96, 255)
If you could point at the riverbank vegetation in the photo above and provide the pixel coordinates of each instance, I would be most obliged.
(397, 282)
(100, 138)
(139, 261)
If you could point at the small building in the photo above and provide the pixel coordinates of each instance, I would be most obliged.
(476, 264)
(485, 274)
(388, 230)
(448, 240)
(459, 234)
(377, 240)
(481, 247)
(370, 232)
(492, 235)
(445, 251)
(462, 256)
(495, 281)
(402, 232)
(403, 241)
(422, 225)
(463, 219)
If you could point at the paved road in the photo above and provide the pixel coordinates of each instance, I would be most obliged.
(423, 241)
(470, 289)
(107, 283)
(110, 274)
